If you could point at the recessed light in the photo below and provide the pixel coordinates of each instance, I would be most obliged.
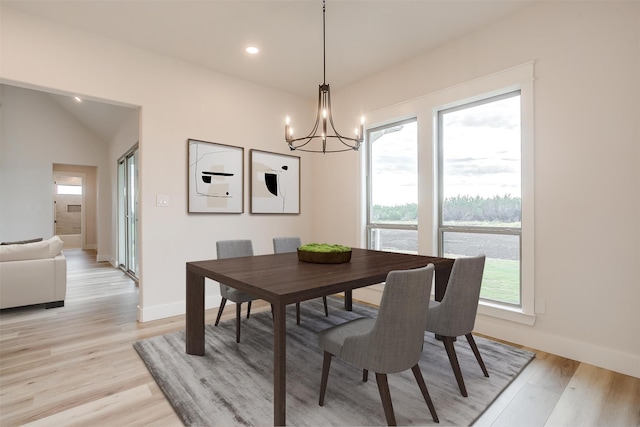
(77, 98)
(252, 50)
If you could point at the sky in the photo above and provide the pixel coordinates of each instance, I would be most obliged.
(394, 176)
(481, 155)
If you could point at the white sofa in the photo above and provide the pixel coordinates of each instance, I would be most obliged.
(33, 273)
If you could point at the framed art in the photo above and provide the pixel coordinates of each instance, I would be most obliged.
(216, 177)
(275, 183)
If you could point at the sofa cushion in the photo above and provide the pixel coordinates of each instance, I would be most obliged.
(36, 250)
(55, 246)
(21, 242)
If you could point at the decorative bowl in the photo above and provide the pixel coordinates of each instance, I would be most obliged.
(324, 257)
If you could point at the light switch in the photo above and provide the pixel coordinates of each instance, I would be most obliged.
(162, 201)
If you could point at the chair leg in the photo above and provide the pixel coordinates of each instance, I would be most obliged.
(425, 393)
(326, 365)
(365, 375)
(220, 310)
(326, 308)
(297, 313)
(474, 347)
(238, 306)
(385, 396)
(248, 309)
(451, 352)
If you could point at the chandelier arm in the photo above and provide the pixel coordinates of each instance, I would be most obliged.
(326, 151)
(317, 123)
(333, 127)
(307, 140)
(341, 138)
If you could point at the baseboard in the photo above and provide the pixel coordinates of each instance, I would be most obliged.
(624, 363)
(370, 294)
(103, 258)
(148, 314)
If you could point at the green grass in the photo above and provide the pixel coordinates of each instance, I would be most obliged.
(500, 281)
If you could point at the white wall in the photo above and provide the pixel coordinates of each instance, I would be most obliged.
(36, 133)
(587, 98)
(587, 167)
(178, 101)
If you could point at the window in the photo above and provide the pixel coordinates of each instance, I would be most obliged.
(480, 206)
(392, 187)
(439, 117)
(75, 190)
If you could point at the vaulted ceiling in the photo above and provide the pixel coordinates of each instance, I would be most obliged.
(363, 37)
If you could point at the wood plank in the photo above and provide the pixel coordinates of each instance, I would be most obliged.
(75, 365)
(596, 397)
(533, 404)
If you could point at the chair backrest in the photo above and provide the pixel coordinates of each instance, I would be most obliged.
(460, 300)
(395, 342)
(234, 248)
(286, 244)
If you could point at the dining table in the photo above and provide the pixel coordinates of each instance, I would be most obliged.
(281, 279)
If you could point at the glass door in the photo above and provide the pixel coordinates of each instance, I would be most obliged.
(128, 212)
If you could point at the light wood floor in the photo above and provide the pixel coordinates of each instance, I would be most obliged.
(76, 366)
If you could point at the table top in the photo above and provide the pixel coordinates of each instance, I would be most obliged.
(281, 278)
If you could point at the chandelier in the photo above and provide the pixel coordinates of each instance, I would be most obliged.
(324, 119)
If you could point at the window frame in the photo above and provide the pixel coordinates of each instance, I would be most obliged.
(425, 108)
(517, 78)
(369, 225)
(442, 228)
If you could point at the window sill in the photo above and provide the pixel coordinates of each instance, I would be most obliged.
(511, 314)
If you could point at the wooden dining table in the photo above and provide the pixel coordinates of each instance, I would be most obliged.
(282, 279)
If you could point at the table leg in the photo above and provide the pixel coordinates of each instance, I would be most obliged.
(348, 300)
(279, 364)
(195, 314)
(442, 279)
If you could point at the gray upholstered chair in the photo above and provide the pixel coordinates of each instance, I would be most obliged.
(389, 344)
(455, 315)
(233, 249)
(291, 244)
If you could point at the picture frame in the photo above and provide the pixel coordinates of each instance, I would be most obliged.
(216, 177)
(274, 183)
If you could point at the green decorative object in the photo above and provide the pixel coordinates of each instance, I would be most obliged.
(324, 253)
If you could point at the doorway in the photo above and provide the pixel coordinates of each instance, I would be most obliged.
(128, 213)
(69, 208)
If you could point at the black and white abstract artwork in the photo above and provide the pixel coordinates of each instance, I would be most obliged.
(216, 177)
(275, 183)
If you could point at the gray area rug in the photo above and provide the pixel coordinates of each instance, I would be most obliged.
(232, 384)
